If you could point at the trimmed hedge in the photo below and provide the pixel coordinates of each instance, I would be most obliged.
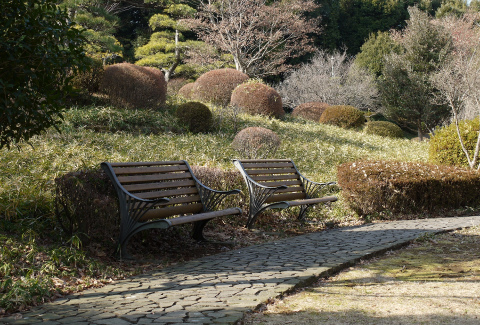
(186, 90)
(216, 86)
(371, 187)
(310, 111)
(196, 116)
(384, 129)
(257, 98)
(445, 146)
(343, 116)
(132, 86)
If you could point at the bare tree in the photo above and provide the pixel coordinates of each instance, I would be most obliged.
(260, 35)
(333, 79)
(458, 79)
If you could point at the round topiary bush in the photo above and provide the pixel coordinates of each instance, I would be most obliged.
(133, 86)
(445, 146)
(310, 111)
(256, 142)
(186, 90)
(216, 86)
(384, 129)
(257, 98)
(344, 116)
(196, 116)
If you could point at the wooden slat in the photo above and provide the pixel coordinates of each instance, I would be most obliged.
(290, 189)
(285, 197)
(167, 194)
(287, 183)
(262, 160)
(267, 165)
(152, 178)
(274, 171)
(158, 185)
(263, 178)
(181, 200)
(149, 170)
(314, 201)
(204, 216)
(162, 213)
(147, 163)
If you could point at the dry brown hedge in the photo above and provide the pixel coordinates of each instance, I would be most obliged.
(256, 142)
(186, 90)
(344, 116)
(310, 111)
(132, 86)
(371, 187)
(216, 86)
(258, 99)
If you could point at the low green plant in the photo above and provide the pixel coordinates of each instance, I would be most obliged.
(445, 145)
(384, 129)
(196, 116)
(371, 187)
(343, 116)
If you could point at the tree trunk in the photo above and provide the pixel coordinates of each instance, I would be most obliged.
(419, 128)
(171, 70)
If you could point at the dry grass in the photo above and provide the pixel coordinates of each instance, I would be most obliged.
(433, 281)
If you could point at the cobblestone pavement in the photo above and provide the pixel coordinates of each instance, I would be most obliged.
(219, 289)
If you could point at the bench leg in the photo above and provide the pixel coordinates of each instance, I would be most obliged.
(303, 210)
(197, 232)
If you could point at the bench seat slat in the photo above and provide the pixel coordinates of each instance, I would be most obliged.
(149, 170)
(290, 189)
(153, 178)
(267, 165)
(169, 193)
(263, 178)
(313, 201)
(182, 200)
(145, 163)
(244, 161)
(169, 211)
(273, 171)
(287, 183)
(203, 216)
(285, 197)
(157, 186)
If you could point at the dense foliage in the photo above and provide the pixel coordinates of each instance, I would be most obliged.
(40, 50)
(384, 129)
(133, 86)
(256, 98)
(344, 116)
(196, 116)
(256, 143)
(376, 187)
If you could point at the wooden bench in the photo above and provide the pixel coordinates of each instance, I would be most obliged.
(151, 193)
(277, 184)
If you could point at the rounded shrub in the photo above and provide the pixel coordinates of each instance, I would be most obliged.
(175, 84)
(133, 86)
(186, 90)
(256, 98)
(384, 129)
(344, 116)
(216, 86)
(256, 142)
(445, 146)
(310, 111)
(196, 116)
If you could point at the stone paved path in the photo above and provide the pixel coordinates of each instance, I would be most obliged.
(219, 289)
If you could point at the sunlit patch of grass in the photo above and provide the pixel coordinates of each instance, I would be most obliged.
(433, 281)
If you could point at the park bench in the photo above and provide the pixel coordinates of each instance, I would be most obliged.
(161, 195)
(277, 184)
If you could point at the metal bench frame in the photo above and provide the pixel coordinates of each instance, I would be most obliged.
(279, 173)
(151, 193)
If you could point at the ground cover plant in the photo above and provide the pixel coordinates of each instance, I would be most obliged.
(435, 280)
(90, 135)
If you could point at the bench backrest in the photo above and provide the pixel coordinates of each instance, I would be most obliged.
(276, 172)
(165, 179)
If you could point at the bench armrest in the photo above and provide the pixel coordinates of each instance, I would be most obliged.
(312, 188)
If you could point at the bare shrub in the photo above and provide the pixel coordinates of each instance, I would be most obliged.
(310, 111)
(257, 98)
(216, 86)
(256, 142)
(330, 78)
(133, 86)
